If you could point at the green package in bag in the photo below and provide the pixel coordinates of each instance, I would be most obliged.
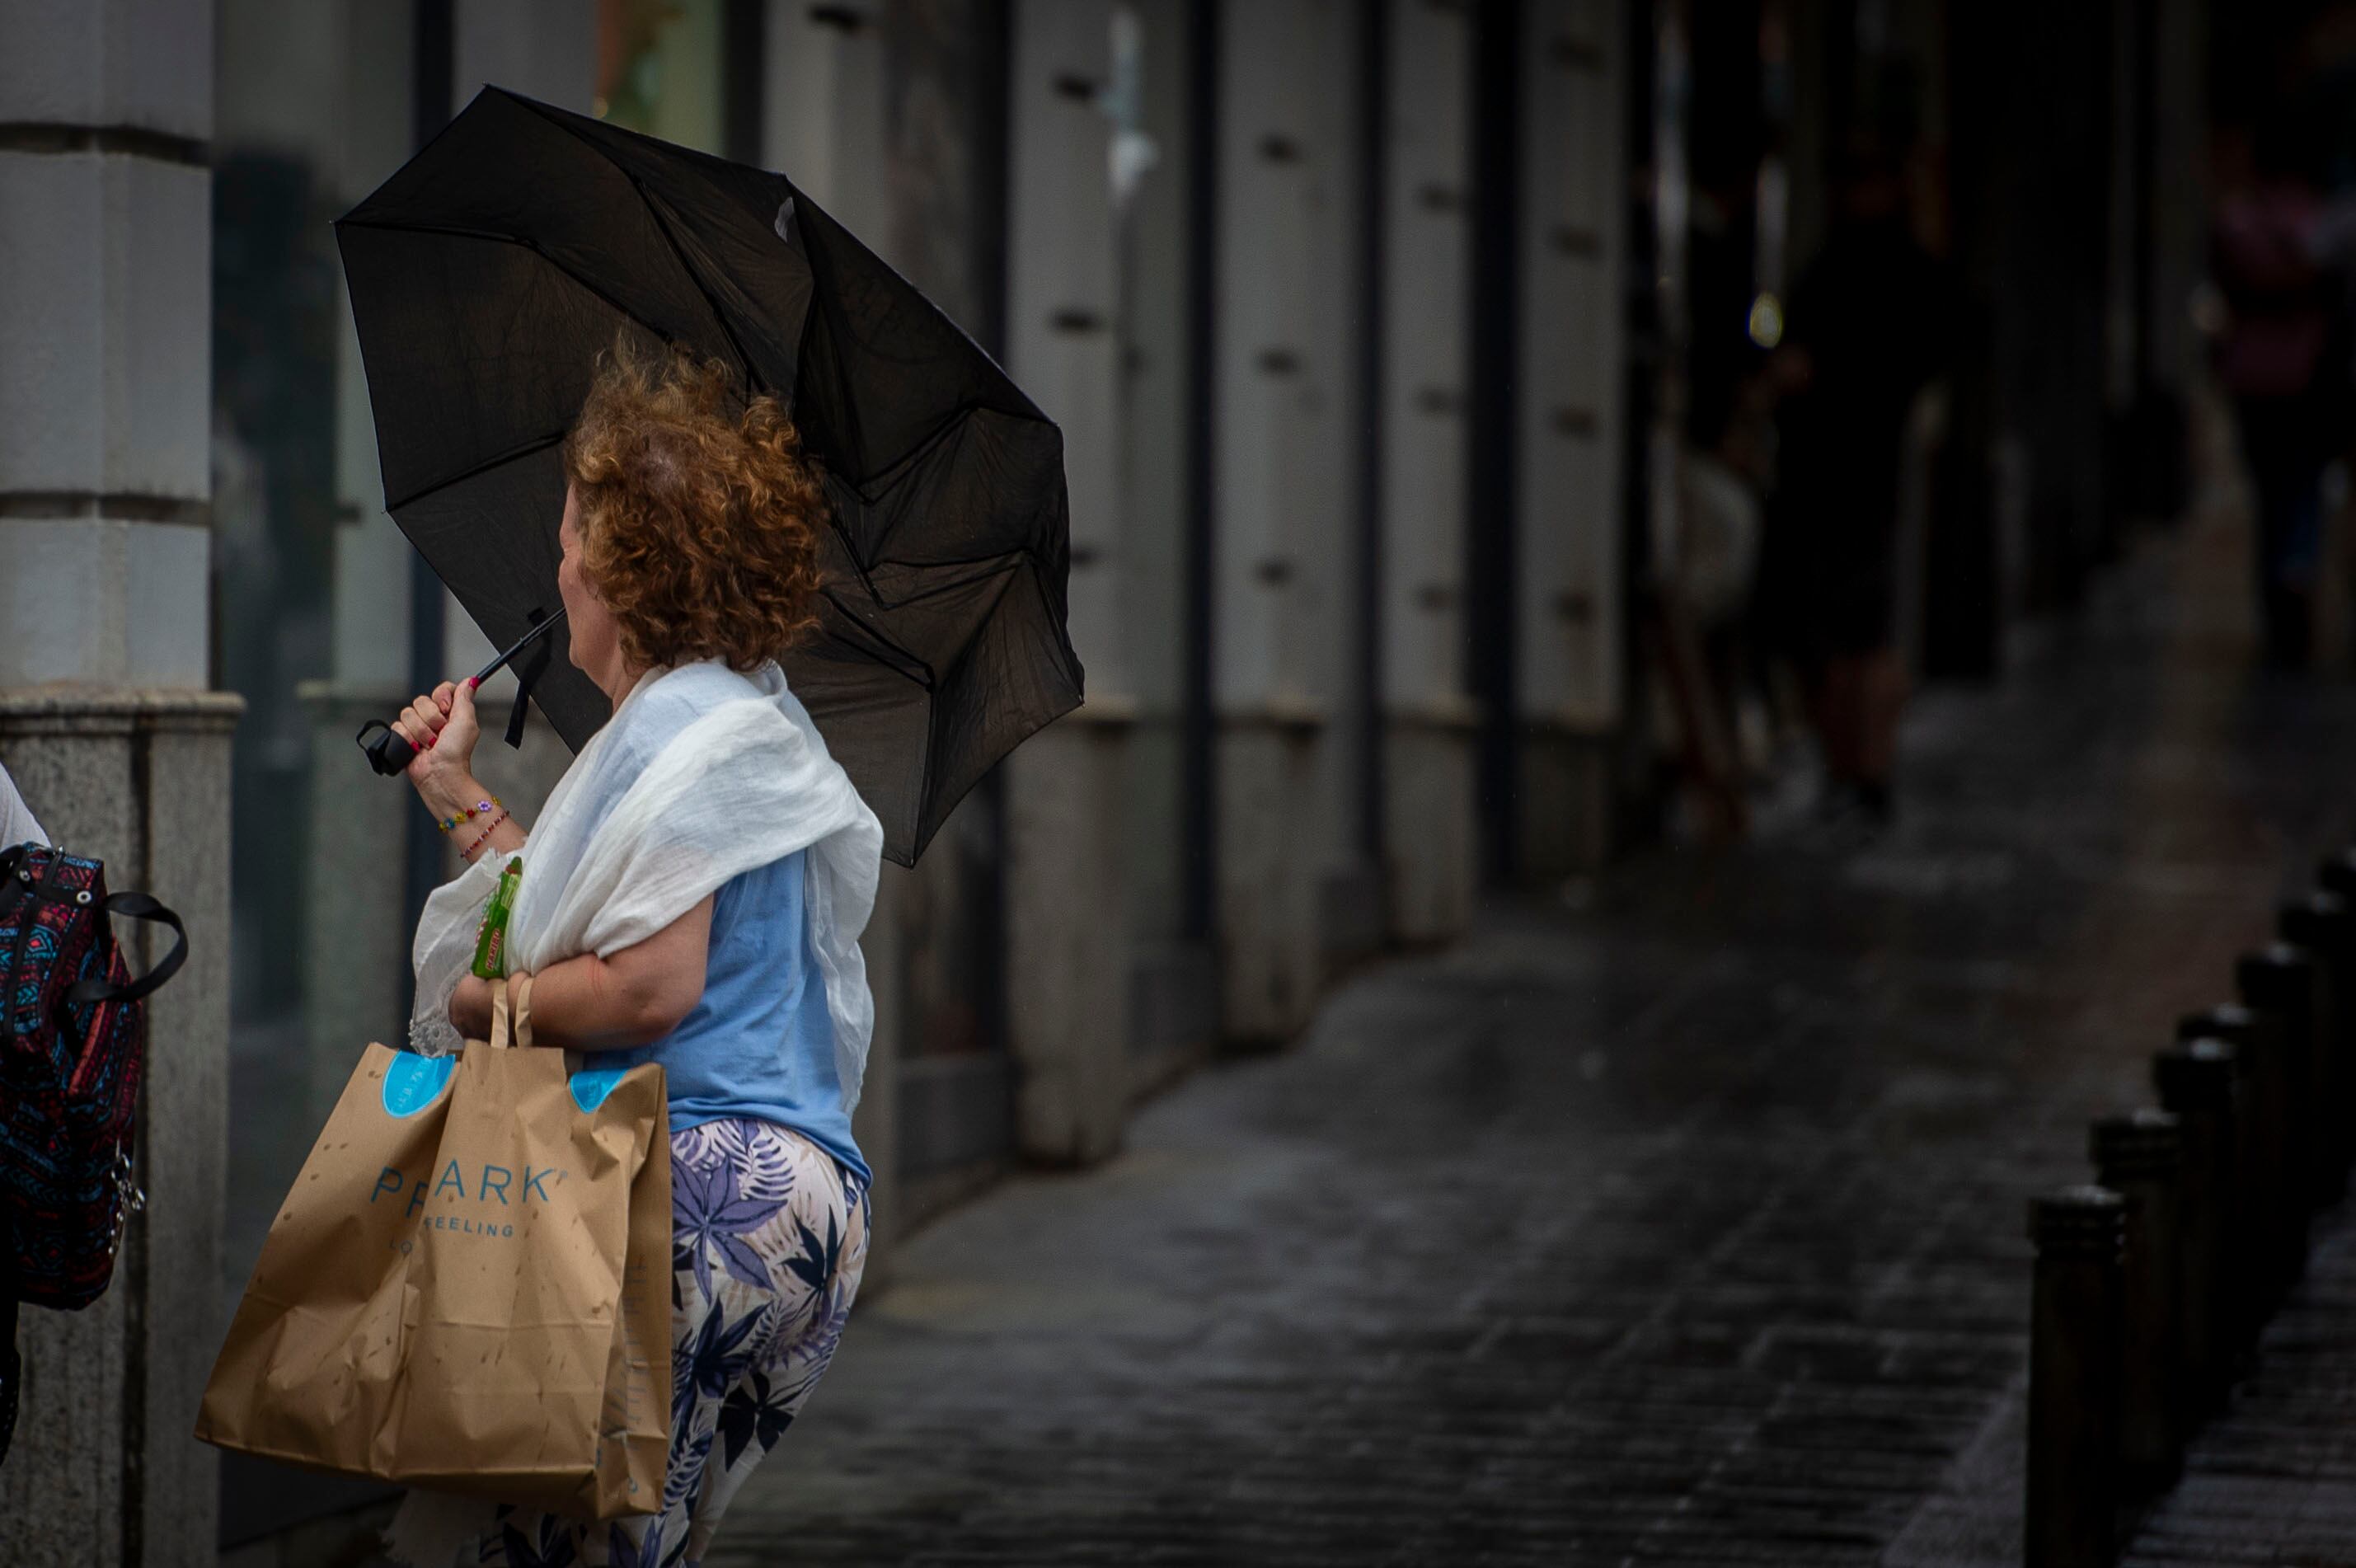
(491, 944)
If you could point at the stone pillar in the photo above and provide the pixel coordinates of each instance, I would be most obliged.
(1428, 718)
(104, 1469)
(1174, 1011)
(822, 111)
(105, 394)
(1568, 633)
(1286, 487)
(1067, 947)
(542, 48)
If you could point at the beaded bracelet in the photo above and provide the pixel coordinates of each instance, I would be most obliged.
(494, 826)
(469, 813)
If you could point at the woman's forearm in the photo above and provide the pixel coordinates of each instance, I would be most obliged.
(582, 1004)
(505, 838)
(484, 826)
(633, 997)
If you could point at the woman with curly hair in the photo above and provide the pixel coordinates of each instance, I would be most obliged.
(692, 896)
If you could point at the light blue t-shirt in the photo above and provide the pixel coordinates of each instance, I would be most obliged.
(761, 1041)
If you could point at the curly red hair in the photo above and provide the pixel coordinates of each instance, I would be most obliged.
(700, 518)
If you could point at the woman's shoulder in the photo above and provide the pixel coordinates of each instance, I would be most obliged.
(673, 702)
(673, 699)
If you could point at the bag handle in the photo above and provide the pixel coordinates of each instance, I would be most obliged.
(136, 906)
(139, 906)
(512, 1012)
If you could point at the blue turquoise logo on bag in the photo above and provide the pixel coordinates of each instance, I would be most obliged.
(591, 1085)
(413, 1082)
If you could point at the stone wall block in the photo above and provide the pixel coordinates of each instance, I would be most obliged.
(156, 342)
(106, 262)
(1270, 956)
(1067, 941)
(143, 65)
(62, 1490)
(1565, 799)
(61, 622)
(1430, 834)
(166, 640)
(542, 48)
(185, 1129)
(357, 946)
(100, 599)
(52, 359)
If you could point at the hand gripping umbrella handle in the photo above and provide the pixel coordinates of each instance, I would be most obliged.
(387, 753)
(390, 756)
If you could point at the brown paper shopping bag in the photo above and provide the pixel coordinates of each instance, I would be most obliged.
(468, 1288)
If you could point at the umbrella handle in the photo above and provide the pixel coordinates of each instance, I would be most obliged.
(390, 756)
(387, 753)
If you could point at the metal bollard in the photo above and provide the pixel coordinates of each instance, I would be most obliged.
(2325, 925)
(2195, 1080)
(2280, 979)
(2073, 1378)
(2139, 1157)
(2275, 1227)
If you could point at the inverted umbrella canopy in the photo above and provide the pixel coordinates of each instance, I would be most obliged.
(488, 273)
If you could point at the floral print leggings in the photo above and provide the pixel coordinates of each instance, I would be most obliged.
(771, 1237)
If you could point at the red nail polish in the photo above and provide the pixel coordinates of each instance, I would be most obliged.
(473, 681)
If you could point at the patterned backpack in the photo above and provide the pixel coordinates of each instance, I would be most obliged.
(70, 1055)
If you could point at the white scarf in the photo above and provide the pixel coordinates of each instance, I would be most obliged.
(702, 775)
(16, 823)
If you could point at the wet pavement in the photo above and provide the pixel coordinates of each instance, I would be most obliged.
(2275, 1481)
(1677, 1218)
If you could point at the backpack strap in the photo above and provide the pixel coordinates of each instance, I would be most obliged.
(24, 923)
(138, 906)
(12, 891)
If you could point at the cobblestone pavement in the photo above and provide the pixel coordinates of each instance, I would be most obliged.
(1677, 1219)
(2275, 1481)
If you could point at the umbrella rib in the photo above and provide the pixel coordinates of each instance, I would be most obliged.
(1004, 560)
(885, 652)
(719, 316)
(893, 472)
(647, 198)
(453, 231)
(537, 444)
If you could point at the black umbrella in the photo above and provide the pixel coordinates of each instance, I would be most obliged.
(488, 272)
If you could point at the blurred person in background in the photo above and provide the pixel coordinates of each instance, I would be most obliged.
(1701, 590)
(1705, 589)
(1872, 322)
(2274, 359)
